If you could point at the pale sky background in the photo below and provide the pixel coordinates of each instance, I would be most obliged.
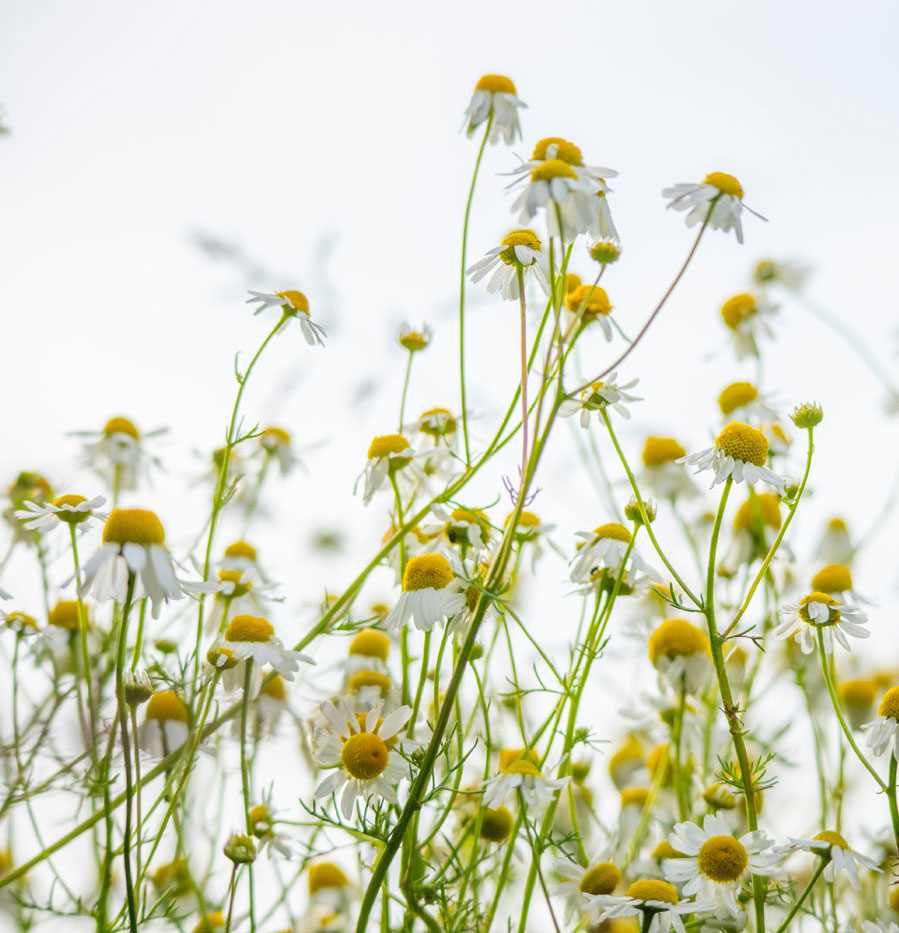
(281, 126)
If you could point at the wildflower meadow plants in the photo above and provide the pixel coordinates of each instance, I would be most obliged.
(424, 761)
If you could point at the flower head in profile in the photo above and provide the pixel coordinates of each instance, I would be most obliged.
(518, 257)
(495, 97)
(413, 339)
(164, 728)
(275, 444)
(656, 901)
(786, 273)
(590, 304)
(747, 318)
(740, 453)
(605, 548)
(293, 305)
(592, 177)
(597, 397)
(361, 747)
(61, 511)
(744, 401)
(432, 591)
(821, 613)
(387, 455)
(833, 848)
(119, 454)
(716, 201)
(680, 652)
(519, 773)
(583, 882)
(661, 473)
(884, 730)
(250, 638)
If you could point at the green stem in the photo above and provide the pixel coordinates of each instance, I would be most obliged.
(805, 893)
(405, 390)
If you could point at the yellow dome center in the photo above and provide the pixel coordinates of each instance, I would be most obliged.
(414, 340)
(565, 150)
(675, 638)
(71, 518)
(743, 443)
(241, 549)
(726, 184)
(665, 850)
(427, 571)
(133, 526)
(249, 628)
(735, 310)
(763, 509)
(651, 890)
(166, 706)
(221, 658)
(295, 300)
(364, 756)
(363, 679)
(613, 530)
(857, 692)
(387, 444)
(723, 859)
(889, 704)
(837, 524)
(241, 586)
(597, 301)
(833, 614)
(275, 688)
(601, 879)
(553, 168)
(834, 578)
(736, 395)
(495, 84)
(274, 437)
(326, 875)
(121, 426)
(634, 797)
(832, 838)
(65, 615)
(522, 238)
(370, 644)
(659, 450)
(214, 921)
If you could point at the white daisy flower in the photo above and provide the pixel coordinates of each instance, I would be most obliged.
(716, 201)
(604, 549)
(19, 622)
(413, 339)
(292, 304)
(739, 452)
(570, 202)
(519, 255)
(656, 901)
(832, 846)
(598, 396)
(836, 579)
(241, 556)
(133, 544)
(884, 730)
(791, 275)
(588, 304)
(431, 593)
(263, 821)
(164, 728)
(68, 510)
(387, 454)
(747, 318)
(496, 95)
(680, 652)
(878, 926)
(437, 425)
(320, 918)
(250, 638)
(465, 528)
(744, 401)
(519, 773)
(275, 443)
(835, 545)
(329, 885)
(821, 612)
(118, 453)
(531, 530)
(661, 473)
(715, 862)
(600, 876)
(592, 177)
(361, 748)
(238, 592)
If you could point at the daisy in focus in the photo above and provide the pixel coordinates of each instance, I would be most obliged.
(495, 97)
(251, 639)
(657, 901)
(834, 849)
(884, 730)
(740, 453)
(568, 197)
(592, 177)
(518, 256)
(605, 548)
(717, 202)
(597, 397)
(431, 593)
(821, 613)
(292, 304)
(63, 510)
(715, 862)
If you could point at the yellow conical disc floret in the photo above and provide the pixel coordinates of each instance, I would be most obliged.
(593, 299)
(386, 444)
(65, 615)
(762, 509)
(660, 450)
(508, 757)
(241, 549)
(553, 168)
(133, 526)
(364, 756)
(832, 838)
(324, 875)
(427, 570)
(121, 426)
(736, 395)
(665, 850)
(744, 443)
(601, 879)
(723, 859)
(834, 578)
(249, 628)
(275, 688)
(677, 637)
(518, 238)
(71, 518)
(370, 643)
(726, 184)
(495, 84)
(634, 797)
(565, 150)
(857, 692)
(295, 300)
(889, 704)
(735, 310)
(362, 679)
(651, 890)
(166, 706)
(613, 530)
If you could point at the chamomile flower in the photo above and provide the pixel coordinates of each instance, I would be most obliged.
(605, 548)
(431, 592)
(413, 339)
(328, 885)
(832, 847)
(63, 510)
(118, 453)
(465, 528)
(571, 206)
(680, 652)
(592, 177)
(597, 397)
(791, 275)
(835, 579)
(661, 473)
(740, 453)
(495, 96)
(884, 730)
(715, 862)
(362, 750)
(519, 256)
(293, 304)
(743, 400)
(164, 728)
(520, 774)
(581, 883)
(588, 304)
(133, 545)
(250, 638)
(821, 612)
(263, 822)
(437, 425)
(275, 443)
(748, 317)
(857, 696)
(835, 544)
(717, 201)
(656, 901)
(387, 455)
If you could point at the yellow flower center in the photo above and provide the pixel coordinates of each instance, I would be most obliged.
(723, 859)
(593, 298)
(601, 879)
(71, 518)
(650, 890)
(249, 628)
(889, 704)
(437, 421)
(495, 84)
(832, 838)
(553, 168)
(736, 395)
(572, 282)
(719, 797)
(835, 578)
(275, 688)
(427, 571)
(665, 850)
(214, 921)
(274, 437)
(19, 621)
(613, 530)
(833, 614)
(565, 150)
(65, 615)
(241, 586)
(414, 340)
(518, 238)
(364, 756)
(726, 184)
(496, 824)
(743, 443)
(370, 644)
(370, 679)
(675, 638)
(386, 444)
(166, 706)
(297, 301)
(509, 756)
(260, 820)
(762, 509)
(121, 426)
(221, 658)
(634, 797)
(133, 526)
(857, 693)
(629, 753)
(326, 875)
(837, 524)
(659, 450)
(735, 310)
(522, 766)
